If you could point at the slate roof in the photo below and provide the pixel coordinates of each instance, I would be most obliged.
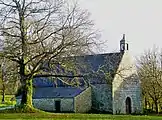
(52, 92)
(89, 64)
(105, 62)
(46, 82)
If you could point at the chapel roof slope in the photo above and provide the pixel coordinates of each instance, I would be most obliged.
(98, 64)
(52, 92)
(90, 65)
(60, 92)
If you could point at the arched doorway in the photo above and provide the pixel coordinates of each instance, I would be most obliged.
(128, 105)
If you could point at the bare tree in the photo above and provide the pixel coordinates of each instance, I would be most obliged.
(150, 72)
(35, 32)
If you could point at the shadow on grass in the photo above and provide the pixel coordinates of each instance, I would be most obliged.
(21, 109)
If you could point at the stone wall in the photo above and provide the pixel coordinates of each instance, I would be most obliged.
(102, 97)
(48, 104)
(83, 101)
(67, 105)
(126, 84)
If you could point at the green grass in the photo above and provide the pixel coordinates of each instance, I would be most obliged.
(50, 116)
(7, 101)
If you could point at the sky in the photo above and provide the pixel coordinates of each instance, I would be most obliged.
(140, 20)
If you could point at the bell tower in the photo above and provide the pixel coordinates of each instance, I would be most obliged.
(123, 44)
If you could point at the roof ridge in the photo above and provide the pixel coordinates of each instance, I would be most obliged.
(97, 54)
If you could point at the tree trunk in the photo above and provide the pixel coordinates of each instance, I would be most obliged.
(3, 93)
(149, 105)
(152, 106)
(156, 106)
(27, 93)
(3, 87)
(145, 103)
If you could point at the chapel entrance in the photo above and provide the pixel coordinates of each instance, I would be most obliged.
(128, 105)
(57, 106)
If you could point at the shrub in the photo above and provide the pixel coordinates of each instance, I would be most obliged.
(148, 111)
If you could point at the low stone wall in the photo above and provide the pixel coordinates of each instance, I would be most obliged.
(48, 104)
(67, 105)
(44, 104)
(83, 102)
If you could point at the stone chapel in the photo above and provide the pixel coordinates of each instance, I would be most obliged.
(114, 86)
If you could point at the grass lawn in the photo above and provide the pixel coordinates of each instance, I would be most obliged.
(50, 116)
(7, 101)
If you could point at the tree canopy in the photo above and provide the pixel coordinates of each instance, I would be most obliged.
(34, 32)
(150, 73)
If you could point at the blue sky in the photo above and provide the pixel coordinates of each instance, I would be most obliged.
(140, 20)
